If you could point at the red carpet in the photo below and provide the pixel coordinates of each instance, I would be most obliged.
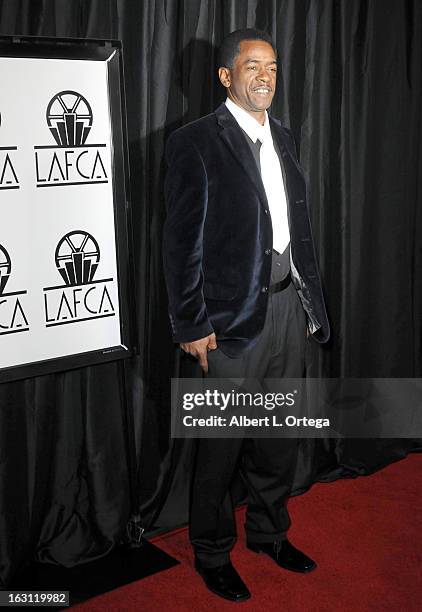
(365, 534)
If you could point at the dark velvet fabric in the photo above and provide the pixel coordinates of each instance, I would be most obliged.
(354, 104)
(218, 234)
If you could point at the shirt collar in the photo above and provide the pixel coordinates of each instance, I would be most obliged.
(250, 125)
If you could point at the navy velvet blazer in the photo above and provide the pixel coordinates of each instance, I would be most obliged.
(217, 242)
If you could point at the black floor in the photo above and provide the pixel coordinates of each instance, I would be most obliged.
(122, 566)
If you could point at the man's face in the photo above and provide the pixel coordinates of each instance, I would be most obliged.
(252, 80)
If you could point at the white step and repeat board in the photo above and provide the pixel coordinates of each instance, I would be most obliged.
(59, 272)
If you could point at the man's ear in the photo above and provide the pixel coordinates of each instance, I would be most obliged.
(224, 76)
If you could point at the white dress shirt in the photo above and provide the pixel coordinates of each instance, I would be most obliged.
(271, 174)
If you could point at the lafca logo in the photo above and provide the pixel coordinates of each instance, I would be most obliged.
(81, 298)
(8, 175)
(12, 314)
(69, 117)
(71, 161)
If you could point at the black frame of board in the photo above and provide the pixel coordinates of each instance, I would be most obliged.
(110, 51)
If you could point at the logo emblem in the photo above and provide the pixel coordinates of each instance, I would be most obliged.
(71, 160)
(5, 268)
(12, 305)
(77, 258)
(81, 298)
(8, 176)
(69, 117)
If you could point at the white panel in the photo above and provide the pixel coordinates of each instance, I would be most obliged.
(45, 208)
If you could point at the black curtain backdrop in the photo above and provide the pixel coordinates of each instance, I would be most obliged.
(350, 88)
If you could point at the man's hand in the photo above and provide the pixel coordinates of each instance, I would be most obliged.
(199, 349)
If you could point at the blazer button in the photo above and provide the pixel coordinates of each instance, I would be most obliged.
(264, 289)
(266, 211)
(267, 251)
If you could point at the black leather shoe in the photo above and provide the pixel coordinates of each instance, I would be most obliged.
(285, 555)
(224, 581)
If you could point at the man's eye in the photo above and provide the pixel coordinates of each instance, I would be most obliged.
(251, 67)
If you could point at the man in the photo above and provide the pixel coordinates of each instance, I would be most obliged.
(242, 279)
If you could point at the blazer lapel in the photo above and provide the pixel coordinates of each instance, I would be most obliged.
(289, 157)
(289, 163)
(232, 135)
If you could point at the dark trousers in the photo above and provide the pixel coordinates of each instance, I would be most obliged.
(267, 465)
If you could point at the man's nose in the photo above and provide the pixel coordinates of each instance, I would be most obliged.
(264, 75)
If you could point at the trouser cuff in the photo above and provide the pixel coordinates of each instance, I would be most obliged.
(265, 538)
(208, 561)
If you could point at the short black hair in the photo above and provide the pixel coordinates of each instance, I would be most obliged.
(230, 47)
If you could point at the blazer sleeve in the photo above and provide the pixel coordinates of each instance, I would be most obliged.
(186, 195)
